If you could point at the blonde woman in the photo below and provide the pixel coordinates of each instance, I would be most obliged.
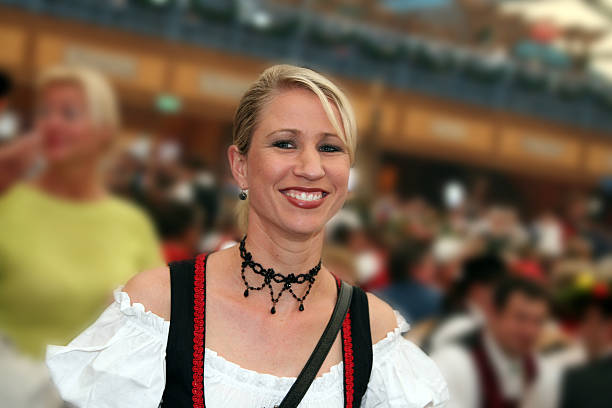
(234, 327)
(65, 242)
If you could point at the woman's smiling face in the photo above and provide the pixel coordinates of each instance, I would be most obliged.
(297, 166)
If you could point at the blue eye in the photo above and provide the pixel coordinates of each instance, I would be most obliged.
(283, 144)
(71, 113)
(331, 148)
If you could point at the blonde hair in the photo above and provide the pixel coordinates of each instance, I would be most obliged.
(101, 100)
(283, 77)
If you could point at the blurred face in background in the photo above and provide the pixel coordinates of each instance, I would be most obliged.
(64, 123)
(518, 324)
(424, 270)
(577, 210)
(596, 332)
(297, 166)
(481, 296)
(447, 273)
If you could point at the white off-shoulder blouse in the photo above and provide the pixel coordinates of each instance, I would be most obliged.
(119, 361)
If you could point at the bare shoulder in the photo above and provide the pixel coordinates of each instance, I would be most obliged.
(382, 317)
(152, 289)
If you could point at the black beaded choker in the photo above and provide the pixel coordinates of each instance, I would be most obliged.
(269, 275)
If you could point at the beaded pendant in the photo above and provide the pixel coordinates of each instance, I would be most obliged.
(269, 276)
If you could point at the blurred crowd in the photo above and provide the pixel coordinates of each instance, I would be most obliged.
(515, 311)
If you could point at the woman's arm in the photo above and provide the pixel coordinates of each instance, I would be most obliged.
(119, 360)
(382, 318)
(402, 375)
(152, 289)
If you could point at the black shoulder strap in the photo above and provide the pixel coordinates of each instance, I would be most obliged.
(179, 348)
(309, 372)
(361, 346)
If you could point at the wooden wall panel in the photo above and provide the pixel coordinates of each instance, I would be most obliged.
(128, 67)
(599, 159)
(13, 46)
(451, 131)
(525, 146)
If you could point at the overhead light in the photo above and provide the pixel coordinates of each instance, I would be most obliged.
(454, 194)
(167, 103)
(159, 2)
(261, 19)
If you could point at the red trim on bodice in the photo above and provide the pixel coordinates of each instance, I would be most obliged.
(348, 358)
(199, 303)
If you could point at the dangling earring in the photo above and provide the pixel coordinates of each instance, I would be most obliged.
(242, 195)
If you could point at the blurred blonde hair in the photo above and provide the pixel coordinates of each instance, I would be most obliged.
(270, 83)
(101, 100)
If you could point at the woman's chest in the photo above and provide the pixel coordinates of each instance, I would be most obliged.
(277, 345)
(228, 385)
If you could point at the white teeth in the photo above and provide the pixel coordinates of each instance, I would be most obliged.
(304, 196)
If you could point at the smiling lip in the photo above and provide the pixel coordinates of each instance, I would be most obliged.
(303, 197)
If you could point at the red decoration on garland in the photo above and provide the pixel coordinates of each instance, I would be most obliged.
(601, 290)
(544, 31)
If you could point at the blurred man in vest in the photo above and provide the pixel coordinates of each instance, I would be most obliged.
(495, 366)
(468, 302)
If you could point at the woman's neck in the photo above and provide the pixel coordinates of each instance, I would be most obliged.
(283, 252)
(79, 183)
(285, 255)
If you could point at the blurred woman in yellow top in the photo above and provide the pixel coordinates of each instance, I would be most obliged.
(65, 242)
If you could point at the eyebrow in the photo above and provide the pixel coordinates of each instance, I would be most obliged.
(331, 135)
(296, 132)
(292, 131)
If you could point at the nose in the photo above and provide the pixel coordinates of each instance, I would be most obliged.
(49, 118)
(48, 123)
(308, 164)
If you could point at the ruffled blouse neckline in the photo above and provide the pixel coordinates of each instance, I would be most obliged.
(126, 346)
(217, 364)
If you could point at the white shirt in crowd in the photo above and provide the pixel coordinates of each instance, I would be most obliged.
(460, 371)
(25, 383)
(455, 327)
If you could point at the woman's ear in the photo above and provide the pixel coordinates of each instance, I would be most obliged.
(238, 166)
